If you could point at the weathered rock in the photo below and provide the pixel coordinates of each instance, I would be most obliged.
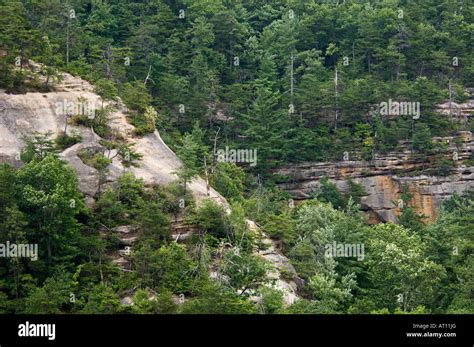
(283, 274)
(384, 178)
(127, 298)
(23, 114)
(182, 231)
(125, 229)
(126, 301)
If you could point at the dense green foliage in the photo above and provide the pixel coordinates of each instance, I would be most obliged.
(419, 268)
(261, 72)
(295, 80)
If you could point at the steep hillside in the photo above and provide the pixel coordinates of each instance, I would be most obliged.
(223, 157)
(24, 114)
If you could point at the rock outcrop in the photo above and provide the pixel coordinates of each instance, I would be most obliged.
(385, 177)
(21, 115)
(459, 111)
(283, 275)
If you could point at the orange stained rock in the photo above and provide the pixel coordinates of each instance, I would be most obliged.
(390, 188)
(424, 205)
(343, 172)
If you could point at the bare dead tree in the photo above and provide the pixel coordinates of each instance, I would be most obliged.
(148, 77)
(207, 175)
(214, 151)
(336, 94)
(107, 57)
(450, 100)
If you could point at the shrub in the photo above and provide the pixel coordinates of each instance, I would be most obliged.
(210, 218)
(96, 160)
(64, 141)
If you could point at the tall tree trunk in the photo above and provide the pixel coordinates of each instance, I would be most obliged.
(50, 252)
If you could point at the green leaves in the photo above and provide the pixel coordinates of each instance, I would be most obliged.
(135, 96)
(145, 123)
(52, 297)
(38, 146)
(102, 300)
(188, 153)
(169, 267)
(210, 218)
(244, 271)
(106, 89)
(263, 73)
(399, 271)
(228, 180)
(329, 294)
(51, 200)
(216, 299)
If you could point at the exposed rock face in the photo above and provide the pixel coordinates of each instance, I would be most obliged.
(23, 114)
(284, 275)
(127, 234)
(385, 177)
(460, 111)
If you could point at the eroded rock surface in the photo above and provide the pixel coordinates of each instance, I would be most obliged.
(384, 178)
(24, 114)
(21, 115)
(283, 274)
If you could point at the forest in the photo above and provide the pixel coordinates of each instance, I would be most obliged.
(289, 81)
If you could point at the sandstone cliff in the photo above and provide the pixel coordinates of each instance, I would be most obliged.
(384, 178)
(21, 115)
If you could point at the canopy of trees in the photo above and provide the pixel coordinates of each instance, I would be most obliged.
(296, 80)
